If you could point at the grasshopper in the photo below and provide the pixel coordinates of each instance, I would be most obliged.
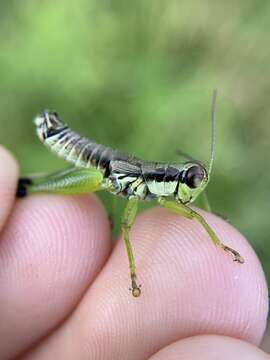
(97, 167)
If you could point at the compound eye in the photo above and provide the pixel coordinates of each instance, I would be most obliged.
(194, 176)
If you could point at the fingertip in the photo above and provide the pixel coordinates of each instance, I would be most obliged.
(210, 347)
(52, 249)
(189, 286)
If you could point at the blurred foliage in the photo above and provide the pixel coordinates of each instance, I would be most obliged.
(138, 76)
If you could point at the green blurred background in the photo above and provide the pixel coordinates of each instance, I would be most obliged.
(138, 76)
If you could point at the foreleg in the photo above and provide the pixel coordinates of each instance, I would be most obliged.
(189, 213)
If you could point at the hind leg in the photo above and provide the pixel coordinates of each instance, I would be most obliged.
(66, 182)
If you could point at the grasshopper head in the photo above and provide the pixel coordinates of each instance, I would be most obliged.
(193, 180)
(48, 124)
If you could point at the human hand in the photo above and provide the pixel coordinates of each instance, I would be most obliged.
(64, 290)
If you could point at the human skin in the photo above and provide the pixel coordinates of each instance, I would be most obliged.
(64, 287)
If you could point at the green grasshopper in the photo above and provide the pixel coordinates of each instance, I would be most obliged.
(97, 167)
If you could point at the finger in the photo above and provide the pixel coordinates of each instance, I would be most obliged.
(210, 347)
(51, 250)
(189, 287)
(8, 184)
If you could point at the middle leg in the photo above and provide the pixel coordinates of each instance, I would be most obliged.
(127, 221)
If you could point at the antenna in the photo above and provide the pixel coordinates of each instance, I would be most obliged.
(213, 131)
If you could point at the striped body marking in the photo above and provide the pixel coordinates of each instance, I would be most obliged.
(124, 175)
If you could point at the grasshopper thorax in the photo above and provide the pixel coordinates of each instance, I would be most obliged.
(193, 180)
